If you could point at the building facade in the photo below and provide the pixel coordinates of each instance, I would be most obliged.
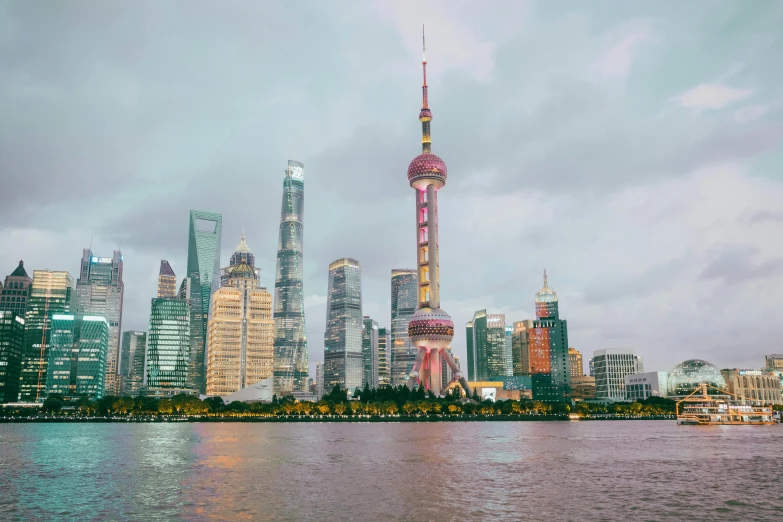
(79, 347)
(204, 275)
(134, 348)
(404, 285)
(520, 347)
(582, 388)
(11, 346)
(99, 292)
(575, 364)
(343, 362)
(773, 362)
(51, 293)
(167, 280)
(370, 356)
(488, 349)
(641, 386)
(168, 347)
(241, 334)
(291, 357)
(548, 348)
(611, 366)
(384, 357)
(15, 291)
(753, 387)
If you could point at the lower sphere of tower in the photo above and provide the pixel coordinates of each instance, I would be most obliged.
(431, 327)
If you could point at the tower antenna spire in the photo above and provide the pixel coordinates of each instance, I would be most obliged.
(425, 116)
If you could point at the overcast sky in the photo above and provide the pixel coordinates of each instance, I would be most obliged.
(633, 149)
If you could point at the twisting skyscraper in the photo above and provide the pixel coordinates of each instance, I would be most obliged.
(430, 328)
(290, 360)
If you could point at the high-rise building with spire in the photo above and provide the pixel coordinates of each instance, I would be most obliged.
(15, 291)
(241, 253)
(430, 328)
(343, 362)
(167, 280)
(404, 299)
(290, 359)
(548, 345)
(204, 274)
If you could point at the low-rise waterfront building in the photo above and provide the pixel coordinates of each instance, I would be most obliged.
(753, 387)
(687, 376)
(610, 367)
(640, 386)
(582, 388)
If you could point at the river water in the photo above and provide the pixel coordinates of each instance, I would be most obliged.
(599, 470)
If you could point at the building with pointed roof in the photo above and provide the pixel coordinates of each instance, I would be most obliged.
(241, 253)
(167, 280)
(15, 291)
(548, 348)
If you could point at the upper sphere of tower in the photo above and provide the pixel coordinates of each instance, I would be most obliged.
(425, 114)
(427, 169)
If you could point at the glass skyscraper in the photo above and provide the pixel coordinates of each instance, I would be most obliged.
(488, 348)
(404, 301)
(384, 357)
(204, 275)
(63, 356)
(99, 292)
(15, 291)
(370, 341)
(50, 294)
(548, 345)
(290, 350)
(343, 363)
(94, 335)
(134, 347)
(168, 346)
(11, 345)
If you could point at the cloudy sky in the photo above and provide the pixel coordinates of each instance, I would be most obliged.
(633, 149)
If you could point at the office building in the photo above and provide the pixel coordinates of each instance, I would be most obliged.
(370, 341)
(99, 292)
(319, 380)
(15, 291)
(575, 365)
(51, 293)
(611, 366)
(384, 357)
(520, 347)
(167, 280)
(134, 348)
(77, 356)
(488, 349)
(582, 388)
(291, 358)
(403, 305)
(774, 362)
(204, 275)
(548, 348)
(11, 346)
(641, 386)
(168, 347)
(343, 362)
(242, 253)
(241, 334)
(753, 387)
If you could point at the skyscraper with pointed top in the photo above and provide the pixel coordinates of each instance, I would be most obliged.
(548, 346)
(15, 291)
(290, 351)
(430, 328)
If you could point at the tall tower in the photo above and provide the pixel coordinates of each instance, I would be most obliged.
(430, 329)
(404, 300)
(167, 281)
(204, 274)
(99, 292)
(343, 362)
(548, 348)
(290, 366)
(370, 356)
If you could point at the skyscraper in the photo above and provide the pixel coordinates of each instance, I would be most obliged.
(50, 294)
(404, 290)
(93, 339)
(11, 346)
(520, 347)
(370, 341)
(134, 347)
(99, 292)
(241, 333)
(430, 328)
(343, 363)
(384, 357)
(15, 291)
(488, 346)
(290, 366)
(548, 341)
(575, 365)
(204, 275)
(611, 366)
(168, 347)
(63, 356)
(167, 281)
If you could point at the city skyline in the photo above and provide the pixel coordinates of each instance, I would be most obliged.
(709, 132)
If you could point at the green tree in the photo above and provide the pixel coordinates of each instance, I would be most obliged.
(53, 403)
(339, 408)
(165, 406)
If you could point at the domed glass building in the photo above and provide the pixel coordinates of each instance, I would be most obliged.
(688, 375)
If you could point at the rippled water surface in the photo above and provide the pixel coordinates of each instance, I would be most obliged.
(609, 470)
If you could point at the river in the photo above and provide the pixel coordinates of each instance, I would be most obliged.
(587, 470)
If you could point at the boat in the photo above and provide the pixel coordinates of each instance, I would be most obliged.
(705, 410)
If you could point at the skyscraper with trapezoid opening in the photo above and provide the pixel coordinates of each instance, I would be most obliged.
(290, 359)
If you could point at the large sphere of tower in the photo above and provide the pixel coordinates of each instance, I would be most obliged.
(427, 169)
(431, 328)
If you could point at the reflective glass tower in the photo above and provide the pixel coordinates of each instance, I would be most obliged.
(488, 346)
(204, 275)
(404, 289)
(99, 292)
(134, 346)
(168, 346)
(343, 363)
(290, 351)
(50, 294)
(370, 341)
(11, 344)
